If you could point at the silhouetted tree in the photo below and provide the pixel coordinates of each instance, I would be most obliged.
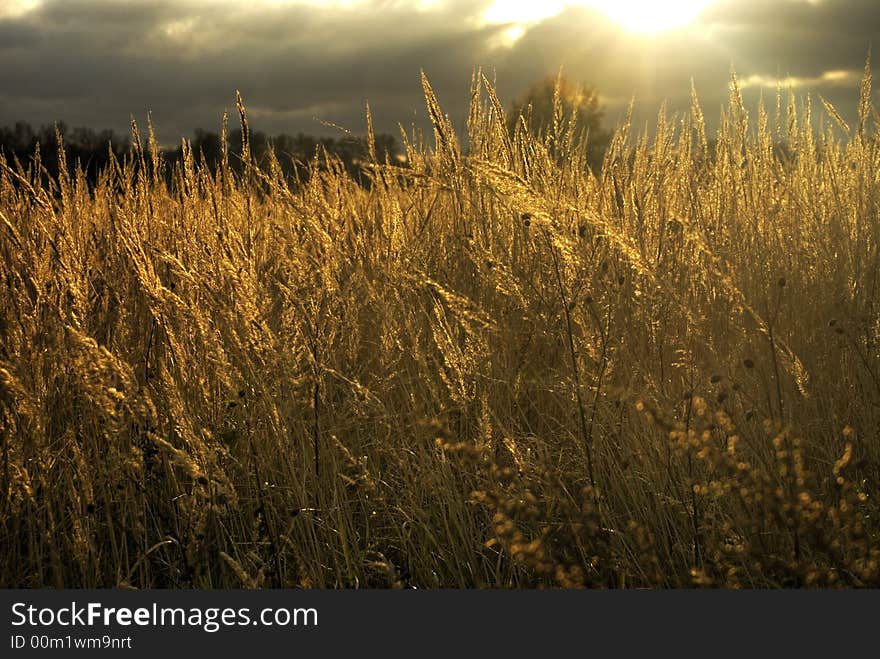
(554, 101)
(208, 145)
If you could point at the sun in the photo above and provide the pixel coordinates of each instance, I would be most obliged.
(639, 16)
(651, 15)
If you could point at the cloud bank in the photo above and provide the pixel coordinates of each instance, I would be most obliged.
(98, 62)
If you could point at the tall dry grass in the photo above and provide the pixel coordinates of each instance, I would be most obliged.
(487, 368)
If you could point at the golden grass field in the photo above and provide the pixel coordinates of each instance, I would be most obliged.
(486, 368)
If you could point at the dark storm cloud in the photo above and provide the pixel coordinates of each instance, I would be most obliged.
(800, 37)
(14, 34)
(104, 60)
(96, 62)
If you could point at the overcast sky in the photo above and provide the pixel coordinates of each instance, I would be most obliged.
(97, 62)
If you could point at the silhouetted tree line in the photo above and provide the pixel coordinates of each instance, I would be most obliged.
(294, 152)
(91, 150)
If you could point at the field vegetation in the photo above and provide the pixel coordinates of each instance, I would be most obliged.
(484, 366)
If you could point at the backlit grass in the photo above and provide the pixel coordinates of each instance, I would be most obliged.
(489, 367)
